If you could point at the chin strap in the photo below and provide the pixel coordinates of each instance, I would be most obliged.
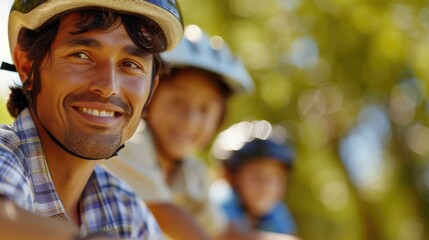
(71, 151)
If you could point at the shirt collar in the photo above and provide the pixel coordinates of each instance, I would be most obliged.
(46, 200)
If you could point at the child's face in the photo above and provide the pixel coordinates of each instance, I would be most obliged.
(261, 184)
(184, 113)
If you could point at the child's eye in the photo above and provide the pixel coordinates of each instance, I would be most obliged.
(80, 55)
(130, 64)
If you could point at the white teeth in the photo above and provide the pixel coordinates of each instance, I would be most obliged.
(97, 113)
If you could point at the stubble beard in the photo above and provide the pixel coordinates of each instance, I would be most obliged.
(97, 144)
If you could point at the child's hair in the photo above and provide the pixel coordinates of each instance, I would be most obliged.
(259, 148)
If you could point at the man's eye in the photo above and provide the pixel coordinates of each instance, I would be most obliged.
(80, 55)
(130, 64)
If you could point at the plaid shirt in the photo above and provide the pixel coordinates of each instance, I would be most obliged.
(107, 204)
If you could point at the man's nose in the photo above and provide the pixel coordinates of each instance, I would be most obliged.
(105, 83)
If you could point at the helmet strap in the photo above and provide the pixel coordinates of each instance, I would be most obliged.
(8, 67)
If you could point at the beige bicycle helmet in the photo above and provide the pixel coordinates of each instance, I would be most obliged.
(32, 14)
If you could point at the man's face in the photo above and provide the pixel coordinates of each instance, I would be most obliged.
(261, 184)
(93, 88)
(184, 113)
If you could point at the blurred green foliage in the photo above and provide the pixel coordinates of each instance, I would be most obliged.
(4, 114)
(347, 79)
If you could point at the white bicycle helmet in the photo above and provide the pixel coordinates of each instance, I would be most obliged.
(32, 14)
(199, 50)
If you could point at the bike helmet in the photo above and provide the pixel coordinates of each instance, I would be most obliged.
(199, 50)
(258, 148)
(246, 141)
(32, 14)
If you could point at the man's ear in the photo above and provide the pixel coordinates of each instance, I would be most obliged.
(23, 66)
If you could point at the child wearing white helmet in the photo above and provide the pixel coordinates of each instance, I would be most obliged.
(185, 113)
(87, 68)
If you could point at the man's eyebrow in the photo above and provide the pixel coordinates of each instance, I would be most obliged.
(88, 42)
(135, 51)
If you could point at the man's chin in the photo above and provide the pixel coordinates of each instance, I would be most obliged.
(99, 148)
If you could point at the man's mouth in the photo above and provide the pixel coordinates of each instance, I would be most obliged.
(97, 112)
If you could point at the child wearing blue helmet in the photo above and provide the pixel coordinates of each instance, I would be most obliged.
(257, 173)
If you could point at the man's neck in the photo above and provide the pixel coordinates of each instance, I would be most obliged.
(70, 179)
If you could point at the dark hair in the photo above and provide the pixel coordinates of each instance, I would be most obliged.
(167, 73)
(144, 32)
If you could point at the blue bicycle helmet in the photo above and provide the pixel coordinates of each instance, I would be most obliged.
(245, 141)
(258, 148)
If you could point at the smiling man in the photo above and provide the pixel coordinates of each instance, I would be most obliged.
(88, 69)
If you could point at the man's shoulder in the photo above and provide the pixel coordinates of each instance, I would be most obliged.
(112, 190)
(10, 146)
(8, 137)
(109, 196)
(21, 131)
(14, 173)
